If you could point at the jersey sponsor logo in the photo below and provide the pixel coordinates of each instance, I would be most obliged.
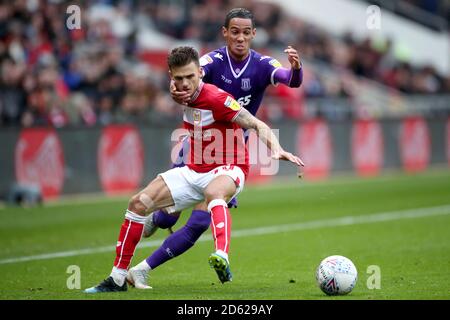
(232, 104)
(245, 84)
(206, 59)
(120, 159)
(315, 148)
(414, 144)
(275, 63)
(39, 160)
(218, 56)
(225, 79)
(367, 147)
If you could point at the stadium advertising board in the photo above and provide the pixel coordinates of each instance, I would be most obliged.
(262, 166)
(367, 147)
(414, 144)
(316, 149)
(120, 159)
(39, 160)
(448, 141)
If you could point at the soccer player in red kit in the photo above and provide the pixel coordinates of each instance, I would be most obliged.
(215, 172)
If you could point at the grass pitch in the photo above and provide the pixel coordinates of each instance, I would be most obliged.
(280, 234)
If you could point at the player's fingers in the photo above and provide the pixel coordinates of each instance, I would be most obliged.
(290, 157)
(296, 160)
(301, 162)
(181, 96)
(180, 93)
(290, 50)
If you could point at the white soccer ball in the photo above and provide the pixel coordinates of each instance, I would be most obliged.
(336, 275)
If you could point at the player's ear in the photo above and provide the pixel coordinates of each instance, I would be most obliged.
(202, 72)
(253, 32)
(170, 74)
(224, 31)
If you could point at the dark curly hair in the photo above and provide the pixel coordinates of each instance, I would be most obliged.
(182, 56)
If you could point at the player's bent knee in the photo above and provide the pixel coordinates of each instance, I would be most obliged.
(140, 204)
(211, 195)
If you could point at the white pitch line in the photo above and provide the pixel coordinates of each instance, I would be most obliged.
(315, 224)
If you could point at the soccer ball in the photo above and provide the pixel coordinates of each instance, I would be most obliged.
(336, 275)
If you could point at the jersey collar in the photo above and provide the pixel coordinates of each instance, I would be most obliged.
(197, 92)
(231, 66)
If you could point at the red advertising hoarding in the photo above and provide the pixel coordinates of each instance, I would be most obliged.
(39, 160)
(315, 149)
(367, 147)
(414, 144)
(120, 159)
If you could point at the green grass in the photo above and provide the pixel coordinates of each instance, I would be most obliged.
(413, 254)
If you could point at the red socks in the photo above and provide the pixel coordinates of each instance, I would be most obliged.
(129, 236)
(220, 224)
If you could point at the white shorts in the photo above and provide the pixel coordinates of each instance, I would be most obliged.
(187, 186)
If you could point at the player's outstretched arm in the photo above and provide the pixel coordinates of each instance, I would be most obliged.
(292, 77)
(247, 121)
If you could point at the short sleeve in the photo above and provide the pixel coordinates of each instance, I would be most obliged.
(226, 108)
(206, 62)
(270, 66)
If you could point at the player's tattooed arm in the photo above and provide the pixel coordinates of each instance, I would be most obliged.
(247, 121)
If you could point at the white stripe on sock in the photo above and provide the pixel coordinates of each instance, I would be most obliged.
(123, 243)
(130, 215)
(216, 202)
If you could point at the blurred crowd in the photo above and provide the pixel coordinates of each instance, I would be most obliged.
(95, 75)
(436, 7)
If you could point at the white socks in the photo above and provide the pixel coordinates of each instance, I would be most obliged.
(223, 254)
(119, 275)
(143, 266)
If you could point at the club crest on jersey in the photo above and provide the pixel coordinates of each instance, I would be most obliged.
(197, 116)
(232, 104)
(275, 63)
(245, 84)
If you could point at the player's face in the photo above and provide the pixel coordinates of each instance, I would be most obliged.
(187, 78)
(239, 36)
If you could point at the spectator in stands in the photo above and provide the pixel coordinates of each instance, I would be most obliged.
(50, 75)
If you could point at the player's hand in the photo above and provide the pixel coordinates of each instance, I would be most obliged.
(181, 97)
(287, 156)
(293, 57)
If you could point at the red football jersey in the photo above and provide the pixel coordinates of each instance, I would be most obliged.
(215, 140)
